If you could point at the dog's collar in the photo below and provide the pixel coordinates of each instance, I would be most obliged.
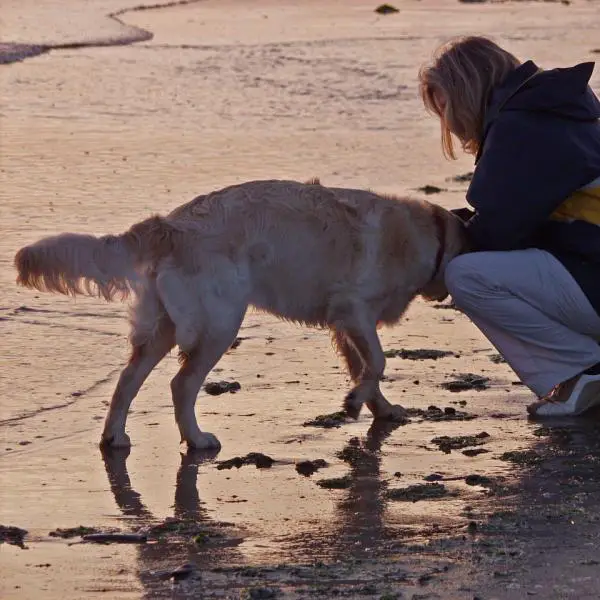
(440, 226)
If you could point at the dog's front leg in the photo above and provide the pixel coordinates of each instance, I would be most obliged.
(367, 391)
(360, 339)
(358, 336)
(377, 403)
(382, 409)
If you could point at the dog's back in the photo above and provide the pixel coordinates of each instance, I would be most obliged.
(292, 247)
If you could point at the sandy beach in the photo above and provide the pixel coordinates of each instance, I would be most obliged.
(113, 111)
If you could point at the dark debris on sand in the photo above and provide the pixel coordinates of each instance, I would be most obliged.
(12, 535)
(497, 359)
(481, 480)
(336, 419)
(464, 178)
(71, 532)
(115, 537)
(180, 573)
(471, 452)
(522, 457)
(237, 342)
(386, 9)
(216, 388)
(336, 483)
(263, 593)
(183, 531)
(434, 413)
(430, 189)
(261, 461)
(446, 306)
(418, 354)
(414, 493)
(448, 443)
(182, 528)
(308, 467)
(467, 381)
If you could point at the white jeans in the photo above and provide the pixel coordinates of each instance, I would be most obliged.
(531, 309)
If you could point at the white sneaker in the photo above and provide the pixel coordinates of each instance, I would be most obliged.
(571, 398)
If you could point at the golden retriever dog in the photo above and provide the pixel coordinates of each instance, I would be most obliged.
(344, 259)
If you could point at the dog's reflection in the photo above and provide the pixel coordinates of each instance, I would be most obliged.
(358, 525)
(357, 529)
(187, 507)
(360, 522)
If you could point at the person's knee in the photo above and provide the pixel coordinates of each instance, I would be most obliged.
(467, 278)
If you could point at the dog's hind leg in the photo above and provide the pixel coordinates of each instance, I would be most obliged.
(208, 311)
(152, 337)
(217, 336)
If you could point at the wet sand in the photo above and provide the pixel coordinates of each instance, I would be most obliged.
(212, 93)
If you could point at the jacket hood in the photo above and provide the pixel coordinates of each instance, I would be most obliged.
(564, 92)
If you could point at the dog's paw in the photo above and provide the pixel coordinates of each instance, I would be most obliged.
(353, 404)
(204, 441)
(396, 413)
(115, 440)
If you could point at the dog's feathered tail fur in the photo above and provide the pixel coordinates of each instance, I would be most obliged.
(107, 266)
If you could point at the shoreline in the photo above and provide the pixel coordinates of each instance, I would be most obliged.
(11, 52)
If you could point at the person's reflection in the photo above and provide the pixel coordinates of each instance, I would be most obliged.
(187, 507)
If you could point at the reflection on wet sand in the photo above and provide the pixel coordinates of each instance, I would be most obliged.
(359, 527)
(361, 523)
(175, 551)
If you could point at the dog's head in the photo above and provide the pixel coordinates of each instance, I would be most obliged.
(452, 240)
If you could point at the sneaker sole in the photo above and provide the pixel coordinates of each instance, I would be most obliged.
(585, 395)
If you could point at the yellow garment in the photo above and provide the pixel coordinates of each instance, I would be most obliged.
(582, 205)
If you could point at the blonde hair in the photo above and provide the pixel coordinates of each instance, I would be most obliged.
(461, 76)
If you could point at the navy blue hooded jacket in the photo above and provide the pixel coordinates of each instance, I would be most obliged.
(541, 143)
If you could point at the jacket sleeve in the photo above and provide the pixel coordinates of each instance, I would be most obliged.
(528, 167)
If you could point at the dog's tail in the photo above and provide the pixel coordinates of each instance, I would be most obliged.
(107, 266)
